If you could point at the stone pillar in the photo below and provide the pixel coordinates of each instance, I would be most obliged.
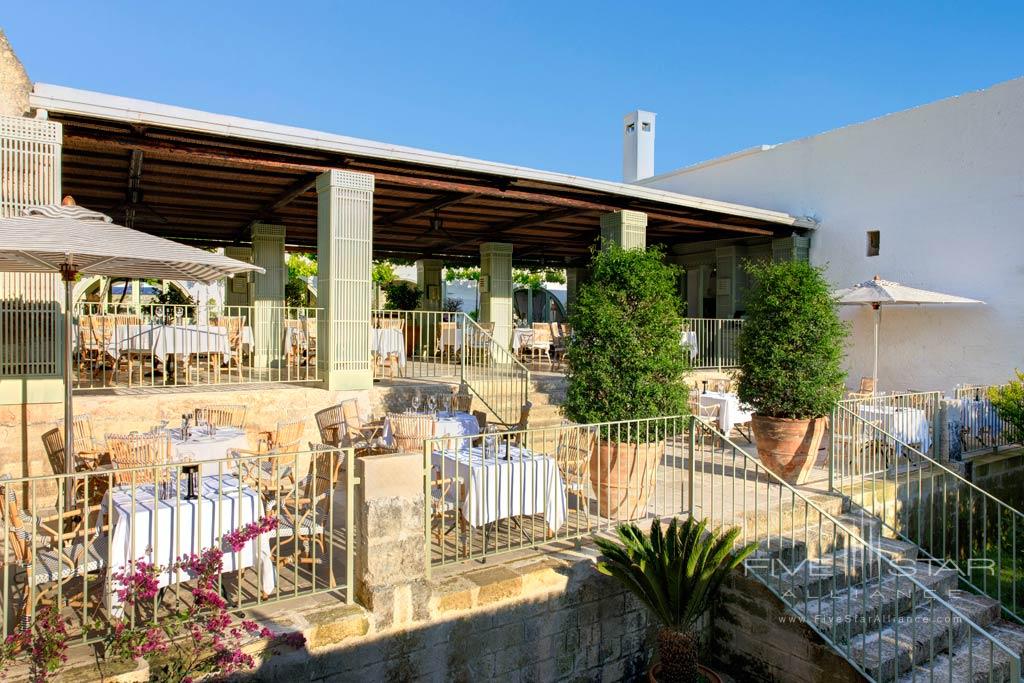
(626, 228)
(496, 289)
(236, 289)
(793, 248)
(428, 279)
(344, 248)
(391, 554)
(268, 294)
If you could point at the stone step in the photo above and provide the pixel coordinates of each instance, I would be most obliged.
(920, 636)
(974, 659)
(876, 600)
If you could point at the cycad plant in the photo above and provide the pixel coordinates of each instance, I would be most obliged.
(677, 575)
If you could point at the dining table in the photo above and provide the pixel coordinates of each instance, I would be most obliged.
(449, 423)
(730, 411)
(907, 425)
(159, 526)
(501, 481)
(386, 341)
(207, 446)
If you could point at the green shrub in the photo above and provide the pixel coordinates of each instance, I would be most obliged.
(1009, 404)
(402, 296)
(791, 345)
(624, 356)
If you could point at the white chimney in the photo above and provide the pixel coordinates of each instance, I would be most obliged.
(637, 146)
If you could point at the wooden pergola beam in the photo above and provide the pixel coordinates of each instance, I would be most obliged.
(433, 204)
(290, 194)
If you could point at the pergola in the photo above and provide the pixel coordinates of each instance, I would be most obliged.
(257, 188)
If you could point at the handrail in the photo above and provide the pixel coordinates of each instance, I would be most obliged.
(506, 406)
(844, 647)
(879, 446)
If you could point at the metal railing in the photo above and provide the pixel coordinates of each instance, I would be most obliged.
(70, 553)
(450, 347)
(164, 345)
(500, 492)
(711, 342)
(912, 416)
(981, 427)
(835, 577)
(927, 503)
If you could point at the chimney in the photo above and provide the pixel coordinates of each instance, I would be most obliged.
(637, 146)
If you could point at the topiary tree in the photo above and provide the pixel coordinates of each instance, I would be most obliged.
(791, 344)
(402, 296)
(625, 361)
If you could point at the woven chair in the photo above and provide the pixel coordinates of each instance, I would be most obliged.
(444, 490)
(139, 450)
(386, 323)
(540, 343)
(95, 337)
(268, 469)
(233, 325)
(706, 412)
(45, 560)
(221, 415)
(866, 389)
(341, 426)
(573, 451)
(410, 430)
(303, 519)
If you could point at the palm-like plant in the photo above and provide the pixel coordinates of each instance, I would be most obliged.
(677, 575)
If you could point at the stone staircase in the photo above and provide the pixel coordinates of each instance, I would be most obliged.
(547, 391)
(881, 620)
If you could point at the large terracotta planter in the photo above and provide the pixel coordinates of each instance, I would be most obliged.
(654, 673)
(622, 476)
(788, 446)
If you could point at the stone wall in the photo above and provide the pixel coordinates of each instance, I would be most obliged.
(754, 638)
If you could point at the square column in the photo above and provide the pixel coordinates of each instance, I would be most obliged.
(428, 279)
(268, 294)
(344, 252)
(628, 229)
(236, 288)
(496, 289)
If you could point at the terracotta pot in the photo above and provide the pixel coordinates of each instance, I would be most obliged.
(788, 446)
(655, 671)
(622, 475)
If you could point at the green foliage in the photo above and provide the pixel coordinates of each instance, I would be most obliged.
(677, 575)
(402, 296)
(383, 273)
(300, 268)
(625, 359)
(453, 274)
(791, 345)
(524, 277)
(1009, 403)
(175, 296)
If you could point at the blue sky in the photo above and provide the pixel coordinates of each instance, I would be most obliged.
(541, 84)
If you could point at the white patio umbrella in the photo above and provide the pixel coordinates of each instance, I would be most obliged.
(72, 241)
(877, 292)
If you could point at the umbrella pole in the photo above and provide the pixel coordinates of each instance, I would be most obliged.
(68, 274)
(878, 318)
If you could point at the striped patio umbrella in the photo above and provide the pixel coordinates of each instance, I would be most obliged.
(877, 292)
(72, 241)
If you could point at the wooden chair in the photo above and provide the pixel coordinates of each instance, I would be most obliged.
(706, 412)
(47, 560)
(233, 326)
(268, 469)
(860, 450)
(303, 518)
(443, 490)
(410, 430)
(128, 319)
(95, 337)
(386, 323)
(541, 342)
(224, 415)
(866, 389)
(139, 450)
(447, 340)
(341, 426)
(462, 401)
(573, 451)
(309, 326)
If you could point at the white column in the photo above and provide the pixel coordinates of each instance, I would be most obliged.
(268, 294)
(428, 279)
(626, 228)
(496, 289)
(344, 251)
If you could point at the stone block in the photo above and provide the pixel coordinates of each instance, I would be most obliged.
(496, 583)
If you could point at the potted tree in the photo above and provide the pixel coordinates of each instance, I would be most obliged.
(625, 363)
(790, 359)
(677, 576)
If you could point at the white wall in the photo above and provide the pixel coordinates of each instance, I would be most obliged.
(944, 183)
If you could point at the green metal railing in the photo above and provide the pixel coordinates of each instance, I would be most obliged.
(927, 503)
(981, 427)
(66, 552)
(443, 346)
(711, 342)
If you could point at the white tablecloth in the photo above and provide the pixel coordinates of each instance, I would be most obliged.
(980, 415)
(448, 424)
(689, 340)
(183, 527)
(521, 336)
(164, 340)
(504, 483)
(909, 425)
(451, 338)
(388, 340)
(730, 412)
(201, 447)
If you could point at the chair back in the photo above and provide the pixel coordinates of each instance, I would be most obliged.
(127, 319)
(324, 472)
(351, 422)
(575, 446)
(95, 332)
(481, 420)
(412, 429)
(53, 444)
(288, 435)
(84, 442)
(524, 417)
(138, 450)
(463, 402)
(541, 332)
(389, 323)
(331, 423)
(867, 385)
(224, 415)
(13, 518)
(233, 325)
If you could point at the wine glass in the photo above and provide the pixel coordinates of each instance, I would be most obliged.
(416, 402)
(431, 404)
